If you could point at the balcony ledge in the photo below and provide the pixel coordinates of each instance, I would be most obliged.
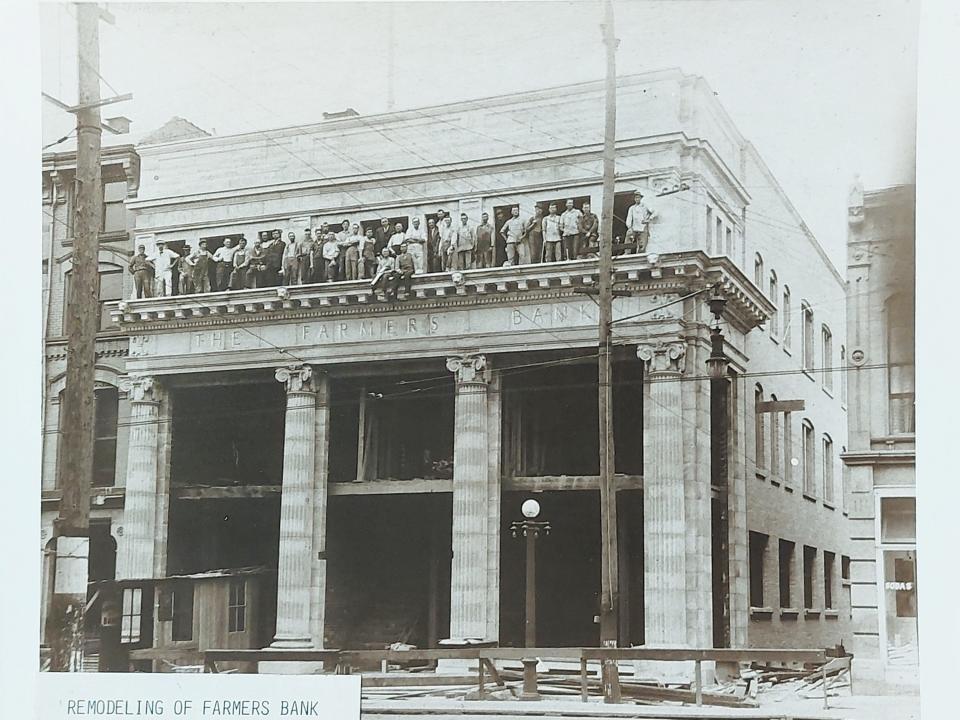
(675, 272)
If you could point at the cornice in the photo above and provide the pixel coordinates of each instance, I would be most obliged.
(880, 457)
(674, 272)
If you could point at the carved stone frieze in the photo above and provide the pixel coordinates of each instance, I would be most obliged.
(298, 378)
(663, 357)
(467, 368)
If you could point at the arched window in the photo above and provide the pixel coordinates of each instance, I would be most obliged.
(827, 461)
(826, 353)
(760, 430)
(110, 290)
(774, 298)
(809, 453)
(774, 441)
(758, 271)
(807, 313)
(785, 309)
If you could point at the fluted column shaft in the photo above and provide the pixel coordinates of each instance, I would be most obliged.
(664, 525)
(296, 509)
(137, 556)
(469, 592)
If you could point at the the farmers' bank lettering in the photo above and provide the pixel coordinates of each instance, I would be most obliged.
(457, 323)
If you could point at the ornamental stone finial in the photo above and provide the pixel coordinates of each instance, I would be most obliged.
(298, 378)
(467, 367)
(662, 357)
(140, 388)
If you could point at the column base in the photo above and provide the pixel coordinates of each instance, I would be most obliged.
(530, 690)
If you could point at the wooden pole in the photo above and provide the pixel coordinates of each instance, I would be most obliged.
(609, 589)
(75, 468)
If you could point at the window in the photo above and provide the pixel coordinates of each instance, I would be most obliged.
(237, 611)
(809, 457)
(758, 271)
(786, 571)
(787, 330)
(105, 436)
(774, 316)
(760, 429)
(807, 314)
(845, 582)
(182, 612)
(900, 362)
(788, 460)
(809, 564)
(826, 350)
(898, 520)
(758, 551)
(130, 620)
(827, 461)
(110, 289)
(774, 441)
(829, 559)
(709, 229)
(843, 374)
(718, 236)
(729, 242)
(114, 210)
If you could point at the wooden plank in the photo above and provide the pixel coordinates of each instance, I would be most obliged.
(269, 654)
(721, 654)
(220, 492)
(421, 679)
(534, 483)
(778, 406)
(390, 487)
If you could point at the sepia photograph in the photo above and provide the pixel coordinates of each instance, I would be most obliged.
(520, 358)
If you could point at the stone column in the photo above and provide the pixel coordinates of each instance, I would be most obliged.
(664, 526)
(321, 464)
(297, 501)
(138, 549)
(470, 603)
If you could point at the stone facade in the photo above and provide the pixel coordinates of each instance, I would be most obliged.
(881, 458)
(469, 332)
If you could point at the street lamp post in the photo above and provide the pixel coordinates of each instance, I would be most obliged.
(531, 529)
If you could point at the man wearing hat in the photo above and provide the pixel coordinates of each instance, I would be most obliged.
(638, 218)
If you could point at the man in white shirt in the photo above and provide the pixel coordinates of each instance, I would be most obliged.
(291, 262)
(416, 238)
(552, 252)
(397, 239)
(638, 219)
(466, 242)
(511, 231)
(448, 238)
(163, 263)
(570, 231)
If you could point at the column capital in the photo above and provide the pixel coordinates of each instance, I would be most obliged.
(663, 357)
(467, 368)
(297, 378)
(141, 388)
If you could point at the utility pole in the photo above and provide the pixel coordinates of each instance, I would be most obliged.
(75, 468)
(609, 580)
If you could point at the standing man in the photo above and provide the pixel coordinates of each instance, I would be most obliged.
(368, 254)
(163, 264)
(484, 255)
(142, 269)
(570, 231)
(291, 260)
(638, 219)
(397, 239)
(511, 234)
(533, 235)
(552, 251)
(186, 277)
(331, 253)
(223, 264)
(305, 257)
(382, 235)
(416, 240)
(342, 234)
(319, 273)
(199, 262)
(466, 243)
(589, 230)
(434, 262)
(241, 262)
(447, 243)
(351, 254)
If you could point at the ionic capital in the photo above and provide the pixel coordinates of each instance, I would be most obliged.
(467, 368)
(298, 378)
(662, 357)
(141, 388)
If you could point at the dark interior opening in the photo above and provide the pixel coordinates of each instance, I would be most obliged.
(228, 435)
(567, 571)
(388, 570)
(406, 424)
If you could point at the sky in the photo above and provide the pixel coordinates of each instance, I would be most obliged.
(824, 90)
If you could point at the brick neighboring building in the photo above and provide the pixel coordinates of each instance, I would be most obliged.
(881, 457)
(368, 457)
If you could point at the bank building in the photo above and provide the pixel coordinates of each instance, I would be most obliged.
(310, 465)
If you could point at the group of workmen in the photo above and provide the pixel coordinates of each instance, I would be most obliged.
(388, 255)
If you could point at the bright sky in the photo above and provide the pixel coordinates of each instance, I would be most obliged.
(823, 89)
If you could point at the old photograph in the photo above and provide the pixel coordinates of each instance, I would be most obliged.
(559, 352)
